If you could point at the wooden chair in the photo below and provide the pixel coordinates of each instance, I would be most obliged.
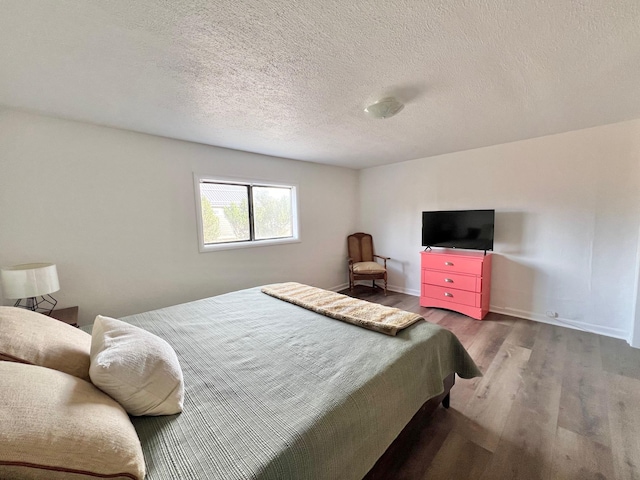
(362, 264)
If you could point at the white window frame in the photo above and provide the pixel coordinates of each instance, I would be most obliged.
(199, 178)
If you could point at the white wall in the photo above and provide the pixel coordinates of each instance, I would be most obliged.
(635, 334)
(567, 221)
(115, 210)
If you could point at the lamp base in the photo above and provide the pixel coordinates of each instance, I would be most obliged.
(38, 304)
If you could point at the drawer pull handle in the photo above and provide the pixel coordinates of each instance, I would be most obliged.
(447, 294)
(448, 280)
(449, 264)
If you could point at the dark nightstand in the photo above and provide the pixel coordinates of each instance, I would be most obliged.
(67, 315)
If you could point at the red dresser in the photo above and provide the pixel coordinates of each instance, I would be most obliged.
(459, 281)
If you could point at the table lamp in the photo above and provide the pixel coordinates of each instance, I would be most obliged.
(31, 283)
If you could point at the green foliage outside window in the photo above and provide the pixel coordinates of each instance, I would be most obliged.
(238, 216)
(225, 213)
(210, 222)
(272, 214)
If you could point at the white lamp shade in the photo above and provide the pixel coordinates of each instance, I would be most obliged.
(29, 280)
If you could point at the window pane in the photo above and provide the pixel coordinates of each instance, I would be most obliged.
(225, 212)
(272, 212)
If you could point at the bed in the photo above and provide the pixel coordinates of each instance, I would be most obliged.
(274, 391)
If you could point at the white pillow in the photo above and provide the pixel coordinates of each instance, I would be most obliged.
(136, 368)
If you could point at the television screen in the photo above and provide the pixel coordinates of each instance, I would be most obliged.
(470, 229)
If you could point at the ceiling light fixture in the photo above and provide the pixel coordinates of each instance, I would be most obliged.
(385, 108)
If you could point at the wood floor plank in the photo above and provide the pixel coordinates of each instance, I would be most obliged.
(495, 394)
(584, 347)
(542, 379)
(432, 315)
(500, 318)
(555, 403)
(530, 429)
(458, 458)
(426, 447)
(525, 449)
(618, 358)
(464, 392)
(523, 333)
(464, 328)
(584, 404)
(624, 414)
(486, 344)
(578, 458)
(483, 346)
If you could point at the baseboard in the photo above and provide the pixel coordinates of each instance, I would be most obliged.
(561, 322)
(392, 288)
(408, 291)
(342, 286)
(513, 312)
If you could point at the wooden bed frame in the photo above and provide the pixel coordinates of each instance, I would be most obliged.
(400, 449)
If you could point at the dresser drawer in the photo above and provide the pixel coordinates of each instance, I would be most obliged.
(453, 263)
(472, 283)
(452, 295)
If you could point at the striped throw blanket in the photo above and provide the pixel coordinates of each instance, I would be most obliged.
(364, 314)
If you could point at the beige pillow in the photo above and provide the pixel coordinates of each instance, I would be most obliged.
(34, 338)
(56, 426)
(137, 368)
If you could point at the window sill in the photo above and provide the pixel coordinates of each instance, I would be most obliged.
(256, 243)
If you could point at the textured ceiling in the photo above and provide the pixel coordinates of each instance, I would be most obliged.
(291, 78)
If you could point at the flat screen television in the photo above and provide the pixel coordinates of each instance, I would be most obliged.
(468, 229)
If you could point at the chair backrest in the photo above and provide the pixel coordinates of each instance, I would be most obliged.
(360, 246)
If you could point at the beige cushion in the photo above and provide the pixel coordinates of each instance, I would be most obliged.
(367, 267)
(34, 338)
(58, 427)
(137, 368)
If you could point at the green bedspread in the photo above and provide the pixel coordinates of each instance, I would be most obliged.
(274, 391)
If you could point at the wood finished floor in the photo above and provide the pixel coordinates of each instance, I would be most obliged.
(554, 403)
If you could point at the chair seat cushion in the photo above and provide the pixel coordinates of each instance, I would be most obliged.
(365, 268)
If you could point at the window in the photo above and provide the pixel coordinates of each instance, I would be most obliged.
(235, 214)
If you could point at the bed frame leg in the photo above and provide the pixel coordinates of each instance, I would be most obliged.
(446, 400)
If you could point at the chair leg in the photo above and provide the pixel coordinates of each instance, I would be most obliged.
(385, 284)
(351, 281)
